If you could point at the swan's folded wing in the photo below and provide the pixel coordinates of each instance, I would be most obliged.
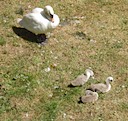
(33, 19)
(34, 22)
(37, 10)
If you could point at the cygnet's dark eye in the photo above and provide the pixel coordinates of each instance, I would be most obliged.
(111, 80)
(51, 15)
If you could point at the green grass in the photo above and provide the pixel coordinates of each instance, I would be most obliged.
(94, 35)
(124, 106)
(2, 41)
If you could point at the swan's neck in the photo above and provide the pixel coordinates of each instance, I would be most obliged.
(88, 75)
(55, 23)
(108, 85)
(44, 14)
(96, 95)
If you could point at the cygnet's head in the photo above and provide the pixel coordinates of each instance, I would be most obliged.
(110, 79)
(49, 12)
(88, 92)
(90, 72)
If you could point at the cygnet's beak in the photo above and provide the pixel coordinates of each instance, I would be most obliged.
(93, 77)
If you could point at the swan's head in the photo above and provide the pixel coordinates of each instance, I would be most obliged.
(88, 92)
(109, 79)
(48, 10)
(89, 72)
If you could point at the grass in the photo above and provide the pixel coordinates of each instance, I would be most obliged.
(2, 41)
(94, 34)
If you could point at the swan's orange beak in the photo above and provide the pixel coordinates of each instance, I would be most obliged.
(52, 20)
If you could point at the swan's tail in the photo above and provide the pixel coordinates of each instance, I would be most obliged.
(20, 22)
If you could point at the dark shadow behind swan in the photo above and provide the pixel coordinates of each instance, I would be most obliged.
(25, 34)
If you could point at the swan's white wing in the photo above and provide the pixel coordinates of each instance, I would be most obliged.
(37, 10)
(35, 23)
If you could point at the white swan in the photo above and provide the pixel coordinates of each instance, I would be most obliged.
(83, 78)
(89, 97)
(40, 21)
(37, 10)
(100, 87)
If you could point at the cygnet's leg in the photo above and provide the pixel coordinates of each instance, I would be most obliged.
(42, 39)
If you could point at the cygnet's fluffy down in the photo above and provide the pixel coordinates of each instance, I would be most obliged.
(40, 21)
(83, 78)
(100, 87)
(89, 97)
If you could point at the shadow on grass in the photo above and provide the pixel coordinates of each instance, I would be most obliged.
(71, 86)
(29, 36)
(25, 34)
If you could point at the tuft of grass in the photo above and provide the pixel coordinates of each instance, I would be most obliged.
(51, 111)
(4, 104)
(2, 41)
(21, 84)
(124, 106)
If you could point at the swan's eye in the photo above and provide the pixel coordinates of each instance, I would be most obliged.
(111, 80)
(51, 15)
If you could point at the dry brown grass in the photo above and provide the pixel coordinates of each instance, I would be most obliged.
(94, 35)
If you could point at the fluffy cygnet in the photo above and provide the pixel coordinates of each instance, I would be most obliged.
(83, 78)
(100, 87)
(89, 97)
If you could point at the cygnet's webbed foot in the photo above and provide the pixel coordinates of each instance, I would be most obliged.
(42, 39)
